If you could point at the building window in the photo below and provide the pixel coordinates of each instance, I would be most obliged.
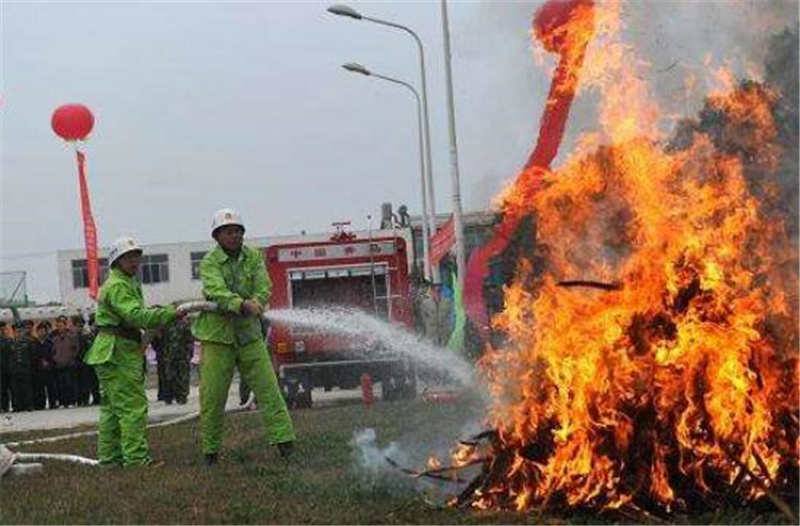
(197, 257)
(155, 268)
(80, 272)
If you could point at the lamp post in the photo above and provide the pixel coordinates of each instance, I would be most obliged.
(354, 67)
(349, 12)
(458, 225)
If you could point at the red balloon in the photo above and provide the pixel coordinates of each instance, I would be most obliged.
(72, 122)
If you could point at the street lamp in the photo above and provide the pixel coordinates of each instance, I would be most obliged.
(355, 67)
(458, 224)
(344, 10)
(349, 12)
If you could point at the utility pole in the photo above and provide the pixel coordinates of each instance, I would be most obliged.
(458, 225)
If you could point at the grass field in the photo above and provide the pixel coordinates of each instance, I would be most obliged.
(252, 484)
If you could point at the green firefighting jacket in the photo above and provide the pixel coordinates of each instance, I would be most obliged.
(121, 305)
(228, 282)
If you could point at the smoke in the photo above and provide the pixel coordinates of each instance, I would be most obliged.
(775, 186)
(370, 459)
(430, 432)
(783, 73)
(413, 449)
(684, 43)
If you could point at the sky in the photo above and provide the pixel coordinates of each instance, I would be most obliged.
(205, 105)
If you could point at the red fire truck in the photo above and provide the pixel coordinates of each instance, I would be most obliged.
(367, 272)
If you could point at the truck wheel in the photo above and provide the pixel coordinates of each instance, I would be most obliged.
(289, 390)
(389, 389)
(304, 399)
(409, 389)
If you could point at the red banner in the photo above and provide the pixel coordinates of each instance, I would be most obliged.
(443, 241)
(89, 229)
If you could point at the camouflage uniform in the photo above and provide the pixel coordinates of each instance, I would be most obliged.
(174, 347)
(156, 339)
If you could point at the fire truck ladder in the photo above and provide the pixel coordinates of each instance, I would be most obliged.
(385, 297)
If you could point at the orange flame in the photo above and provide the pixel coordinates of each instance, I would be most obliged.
(605, 397)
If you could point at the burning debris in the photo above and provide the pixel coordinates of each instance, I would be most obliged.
(652, 363)
(590, 284)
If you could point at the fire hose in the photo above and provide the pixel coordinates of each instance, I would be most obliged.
(57, 456)
(9, 459)
(197, 306)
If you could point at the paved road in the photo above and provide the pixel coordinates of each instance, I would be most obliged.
(158, 411)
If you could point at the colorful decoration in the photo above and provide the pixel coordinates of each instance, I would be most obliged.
(73, 123)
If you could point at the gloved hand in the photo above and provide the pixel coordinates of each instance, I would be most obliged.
(252, 308)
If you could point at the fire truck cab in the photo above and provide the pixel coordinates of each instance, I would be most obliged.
(366, 272)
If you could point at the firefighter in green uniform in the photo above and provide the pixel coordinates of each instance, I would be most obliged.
(235, 278)
(23, 351)
(116, 355)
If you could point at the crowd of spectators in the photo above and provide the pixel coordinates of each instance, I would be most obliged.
(41, 365)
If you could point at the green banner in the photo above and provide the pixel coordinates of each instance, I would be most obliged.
(456, 341)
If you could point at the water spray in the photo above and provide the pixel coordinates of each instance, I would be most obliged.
(366, 330)
(371, 334)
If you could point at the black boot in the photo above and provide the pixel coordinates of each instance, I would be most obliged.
(210, 459)
(285, 449)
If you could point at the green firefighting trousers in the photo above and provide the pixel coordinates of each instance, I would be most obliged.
(216, 373)
(122, 437)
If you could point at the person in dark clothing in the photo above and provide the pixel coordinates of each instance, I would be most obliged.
(6, 341)
(158, 344)
(174, 346)
(45, 390)
(94, 383)
(83, 372)
(66, 348)
(244, 392)
(21, 368)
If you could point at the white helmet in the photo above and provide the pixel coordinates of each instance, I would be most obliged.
(122, 245)
(225, 217)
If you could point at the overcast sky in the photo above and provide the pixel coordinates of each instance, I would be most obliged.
(200, 106)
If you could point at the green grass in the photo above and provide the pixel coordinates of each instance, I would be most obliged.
(252, 484)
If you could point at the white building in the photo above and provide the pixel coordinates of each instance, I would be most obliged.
(170, 272)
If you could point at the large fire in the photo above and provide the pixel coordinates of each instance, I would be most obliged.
(678, 381)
